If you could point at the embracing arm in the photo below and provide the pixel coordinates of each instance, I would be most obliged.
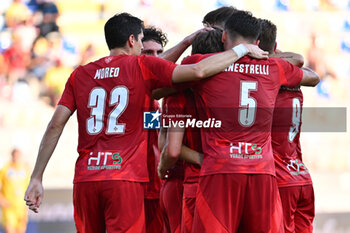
(34, 193)
(293, 58)
(214, 64)
(310, 77)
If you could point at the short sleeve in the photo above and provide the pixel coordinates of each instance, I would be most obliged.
(68, 97)
(192, 59)
(187, 61)
(290, 75)
(174, 108)
(156, 72)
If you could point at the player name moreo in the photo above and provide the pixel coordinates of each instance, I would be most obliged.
(107, 72)
(193, 123)
(248, 68)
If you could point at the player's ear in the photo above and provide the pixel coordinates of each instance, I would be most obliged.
(131, 40)
(275, 47)
(257, 42)
(224, 37)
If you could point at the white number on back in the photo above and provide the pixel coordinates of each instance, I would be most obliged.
(293, 131)
(97, 99)
(247, 104)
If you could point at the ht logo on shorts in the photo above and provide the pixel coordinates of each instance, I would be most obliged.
(151, 120)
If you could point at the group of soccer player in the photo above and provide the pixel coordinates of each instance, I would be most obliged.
(233, 178)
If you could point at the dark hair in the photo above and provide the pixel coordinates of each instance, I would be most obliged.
(14, 151)
(243, 23)
(267, 35)
(155, 34)
(119, 28)
(219, 16)
(208, 42)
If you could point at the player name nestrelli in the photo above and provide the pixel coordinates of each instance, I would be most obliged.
(248, 68)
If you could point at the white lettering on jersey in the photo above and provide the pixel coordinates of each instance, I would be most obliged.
(248, 68)
(108, 72)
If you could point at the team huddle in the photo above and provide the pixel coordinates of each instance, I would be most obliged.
(245, 176)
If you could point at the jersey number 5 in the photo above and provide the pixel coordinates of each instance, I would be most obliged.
(119, 97)
(247, 104)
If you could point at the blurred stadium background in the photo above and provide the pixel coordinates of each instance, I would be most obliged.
(33, 73)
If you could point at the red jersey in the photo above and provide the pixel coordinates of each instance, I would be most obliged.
(152, 188)
(110, 96)
(285, 137)
(183, 105)
(238, 104)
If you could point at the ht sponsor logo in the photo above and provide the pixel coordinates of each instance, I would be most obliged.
(104, 160)
(245, 150)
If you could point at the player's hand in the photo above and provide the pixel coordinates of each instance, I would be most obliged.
(189, 39)
(255, 52)
(162, 173)
(201, 158)
(34, 195)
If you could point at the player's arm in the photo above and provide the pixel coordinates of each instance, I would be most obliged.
(191, 156)
(34, 193)
(175, 52)
(216, 63)
(174, 149)
(310, 77)
(293, 58)
(171, 151)
(159, 93)
(162, 138)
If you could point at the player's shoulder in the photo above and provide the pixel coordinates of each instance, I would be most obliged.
(195, 58)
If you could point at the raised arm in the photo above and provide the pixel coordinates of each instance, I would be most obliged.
(216, 63)
(175, 52)
(310, 77)
(34, 193)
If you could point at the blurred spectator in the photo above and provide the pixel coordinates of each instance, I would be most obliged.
(49, 12)
(16, 60)
(88, 54)
(55, 80)
(28, 33)
(46, 50)
(14, 178)
(16, 13)
(316, 61)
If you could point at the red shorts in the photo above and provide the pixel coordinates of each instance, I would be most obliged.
(238, 203)
(112, 206)
(298, 204)
(153, 216)
(171, 205)
(188, 205)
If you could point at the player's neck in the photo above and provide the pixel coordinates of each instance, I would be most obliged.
(241, 41)
(120, 51)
